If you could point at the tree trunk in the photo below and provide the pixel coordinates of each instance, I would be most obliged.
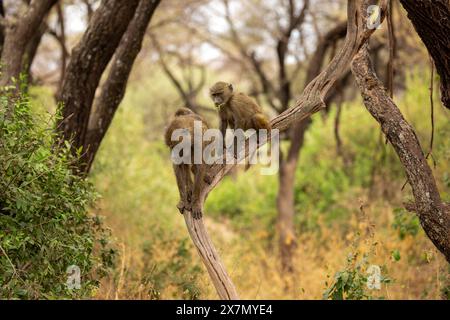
(89, 60)
(431, 19)
(31, 50)
(18, 34)
(433, 215)
(113, 89)
(62, 42)
(285, 198)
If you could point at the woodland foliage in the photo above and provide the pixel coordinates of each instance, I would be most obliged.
(45, 226)
(337, 208)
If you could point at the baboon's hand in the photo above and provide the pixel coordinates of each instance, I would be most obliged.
(197, 211)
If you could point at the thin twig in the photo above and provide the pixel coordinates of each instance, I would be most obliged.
(10, 262)
(430, 152)
(392, 49)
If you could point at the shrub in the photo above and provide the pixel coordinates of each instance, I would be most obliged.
(44, 223)
(352, 282)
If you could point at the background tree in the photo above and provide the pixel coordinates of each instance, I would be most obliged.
(113, 89)
(18, 35)
(110, 30)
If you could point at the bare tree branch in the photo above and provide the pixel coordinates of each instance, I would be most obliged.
(189, 95)
(90, 10)
(288, 165)
(267, 86)
(282, 50)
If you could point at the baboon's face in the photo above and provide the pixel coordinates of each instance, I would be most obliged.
(221, 93)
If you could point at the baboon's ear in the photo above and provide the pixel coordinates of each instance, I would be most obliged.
(230, 86)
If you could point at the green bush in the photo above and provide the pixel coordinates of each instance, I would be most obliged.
(44, 224)
(352, 282)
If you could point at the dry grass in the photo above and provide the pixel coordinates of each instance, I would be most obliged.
(421, 272)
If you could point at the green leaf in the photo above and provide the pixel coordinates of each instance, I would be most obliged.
(396, 255)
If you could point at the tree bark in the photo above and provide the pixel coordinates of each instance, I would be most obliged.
(431, 19)
(434, 216)
(89, 60)
(17, 37)
(113, 90)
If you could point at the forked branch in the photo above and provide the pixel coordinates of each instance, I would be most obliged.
(310, 102)
(312, 98)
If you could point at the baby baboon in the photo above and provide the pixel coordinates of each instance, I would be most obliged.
(237, 110)
(189, 192)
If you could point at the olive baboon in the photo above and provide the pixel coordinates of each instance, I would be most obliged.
(190, 198)
(237, 110)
